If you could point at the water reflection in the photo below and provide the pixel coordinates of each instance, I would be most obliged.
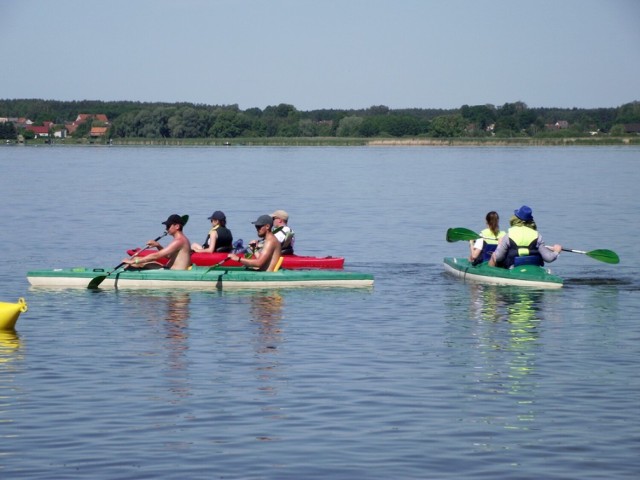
(10, 354)
(168, 315)
(266, 311)
(10, 350)
(505, 327)
(266, 314)
(508, 323)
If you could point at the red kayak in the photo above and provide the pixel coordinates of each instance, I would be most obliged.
(291, 262)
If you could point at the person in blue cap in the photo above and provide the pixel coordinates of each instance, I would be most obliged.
(523, 245)
(219, 238)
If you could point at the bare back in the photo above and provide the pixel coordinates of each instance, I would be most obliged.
(178, 252)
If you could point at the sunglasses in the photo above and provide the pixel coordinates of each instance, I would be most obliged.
(258, 227)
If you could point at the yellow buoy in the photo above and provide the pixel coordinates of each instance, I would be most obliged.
(9, 313)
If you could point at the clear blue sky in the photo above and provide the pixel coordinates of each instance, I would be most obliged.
(324, 53)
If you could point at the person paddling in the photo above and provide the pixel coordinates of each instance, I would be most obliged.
(482, 248)
(271, 248)
(523, 245)
(178, 251)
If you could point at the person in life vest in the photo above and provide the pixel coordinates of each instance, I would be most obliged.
(523, 245)
(482, 248)
(219, 238)
(283, 232)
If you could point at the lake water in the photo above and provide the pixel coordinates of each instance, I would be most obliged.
(422, 376)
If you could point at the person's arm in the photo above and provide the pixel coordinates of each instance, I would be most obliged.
(164, 252)
(475, 248)
(213, 237)
(500, 252)
(548, 254)
(257, 262)
(154, 244)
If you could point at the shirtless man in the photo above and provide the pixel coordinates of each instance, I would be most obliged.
(178, 251)
(270, 253)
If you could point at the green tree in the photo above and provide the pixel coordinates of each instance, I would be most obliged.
(448, 126)
(628, 113)
(349, 126)
(8, 131)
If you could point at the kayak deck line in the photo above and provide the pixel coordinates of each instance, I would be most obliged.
(199, 278)
(524, 275)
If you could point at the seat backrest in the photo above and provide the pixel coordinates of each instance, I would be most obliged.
(528, 260)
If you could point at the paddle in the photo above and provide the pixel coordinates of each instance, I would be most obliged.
(603, 255)
(606, 256)
(216, 265)
(457, 234)
(96, 281)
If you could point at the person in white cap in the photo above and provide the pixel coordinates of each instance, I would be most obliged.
(283, 232)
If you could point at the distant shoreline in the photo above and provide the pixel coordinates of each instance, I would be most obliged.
(352, 141)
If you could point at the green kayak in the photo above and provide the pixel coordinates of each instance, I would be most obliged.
(525, 275)
(198, 278)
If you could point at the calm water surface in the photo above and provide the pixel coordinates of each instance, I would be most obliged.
(422, 376)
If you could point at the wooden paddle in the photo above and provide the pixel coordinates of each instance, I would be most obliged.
(603, 255)
(96, 281)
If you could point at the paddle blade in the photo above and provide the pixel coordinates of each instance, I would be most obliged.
(457, 234)
(95, 282)
(603, 255)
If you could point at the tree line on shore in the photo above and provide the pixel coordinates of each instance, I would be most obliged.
(187, 120)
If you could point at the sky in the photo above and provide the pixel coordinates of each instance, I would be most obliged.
(317, 54)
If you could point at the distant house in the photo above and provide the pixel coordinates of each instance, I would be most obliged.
(40, 130)
(71, 127)
(632, 128)
(98, 132)
(98, 117)
(87, 117)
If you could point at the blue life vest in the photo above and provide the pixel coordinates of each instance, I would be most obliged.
(489, 243)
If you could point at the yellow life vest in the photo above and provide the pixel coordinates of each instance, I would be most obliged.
(523, 239)
(489, 237)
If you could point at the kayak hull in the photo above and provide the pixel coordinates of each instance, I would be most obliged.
(9, 313)
(290, 262)
(198, 278)
(524, 276)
